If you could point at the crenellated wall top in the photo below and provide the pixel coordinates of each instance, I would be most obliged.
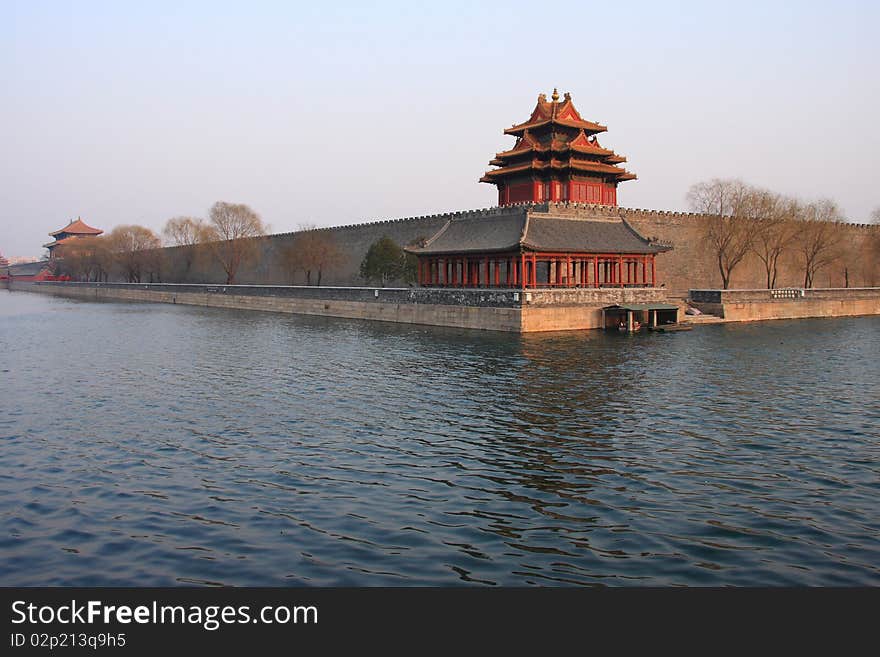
(563, 208)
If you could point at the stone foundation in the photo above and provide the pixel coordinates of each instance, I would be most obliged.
(514, 311)
(791, 303)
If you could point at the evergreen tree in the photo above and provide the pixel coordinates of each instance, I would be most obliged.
(385, 261)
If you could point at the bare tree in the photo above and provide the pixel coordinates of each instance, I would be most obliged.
(185, 231)
(190, 234)
(133, 249)
(235, 229)
(311, 251)
(727, 231)
(85, 259)
(818, 237)
(773, 229)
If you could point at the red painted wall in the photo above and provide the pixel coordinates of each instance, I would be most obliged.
(574, 191)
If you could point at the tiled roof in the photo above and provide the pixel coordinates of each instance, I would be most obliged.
(584, 236)
(78, 227)
(535, 232)
(485, 234)
(28, 268)
(63, 240)
(563, 113)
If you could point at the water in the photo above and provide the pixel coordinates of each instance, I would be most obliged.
(165, 445)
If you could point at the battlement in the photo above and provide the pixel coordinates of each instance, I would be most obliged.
(563, 208)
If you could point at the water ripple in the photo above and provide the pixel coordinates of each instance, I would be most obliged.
(165, 445)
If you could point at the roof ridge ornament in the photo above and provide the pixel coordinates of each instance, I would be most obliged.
(555, 95)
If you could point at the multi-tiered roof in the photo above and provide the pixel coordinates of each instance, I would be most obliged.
(557, 157)
(73, 230)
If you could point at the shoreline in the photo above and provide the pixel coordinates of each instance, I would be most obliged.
(492, 309)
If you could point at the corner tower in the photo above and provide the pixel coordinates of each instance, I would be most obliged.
(557, 157)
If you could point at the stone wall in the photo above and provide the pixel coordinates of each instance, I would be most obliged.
(495, 310)
(690, 264)
(794, 303)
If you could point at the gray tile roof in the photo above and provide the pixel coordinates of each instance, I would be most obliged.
(477, 233)
(511, 232)
(28, 268)
(584, 236)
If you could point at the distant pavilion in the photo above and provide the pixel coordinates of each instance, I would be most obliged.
(74, 230)
(550, 230)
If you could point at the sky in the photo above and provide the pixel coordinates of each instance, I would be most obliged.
(333, 113)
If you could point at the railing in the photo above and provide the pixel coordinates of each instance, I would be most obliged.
(782, 294)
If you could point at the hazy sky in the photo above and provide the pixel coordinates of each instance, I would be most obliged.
(340, 112)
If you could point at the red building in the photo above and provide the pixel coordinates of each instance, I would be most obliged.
(557, 157)
(552, 232)
(74, 230)
(537, 245)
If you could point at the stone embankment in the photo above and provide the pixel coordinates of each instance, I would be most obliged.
(517, 311)
(787, 303)
(487, 309)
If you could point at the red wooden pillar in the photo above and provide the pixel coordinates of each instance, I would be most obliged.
(596, 271)
(568, 280)
(522, 271)
(534, 270)
(620, 270)
(644, 270)
(653, 273)
(496, 265)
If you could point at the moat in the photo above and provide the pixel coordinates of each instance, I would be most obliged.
(153, 444)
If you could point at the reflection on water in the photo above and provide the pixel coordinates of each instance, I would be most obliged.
(157, 445)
